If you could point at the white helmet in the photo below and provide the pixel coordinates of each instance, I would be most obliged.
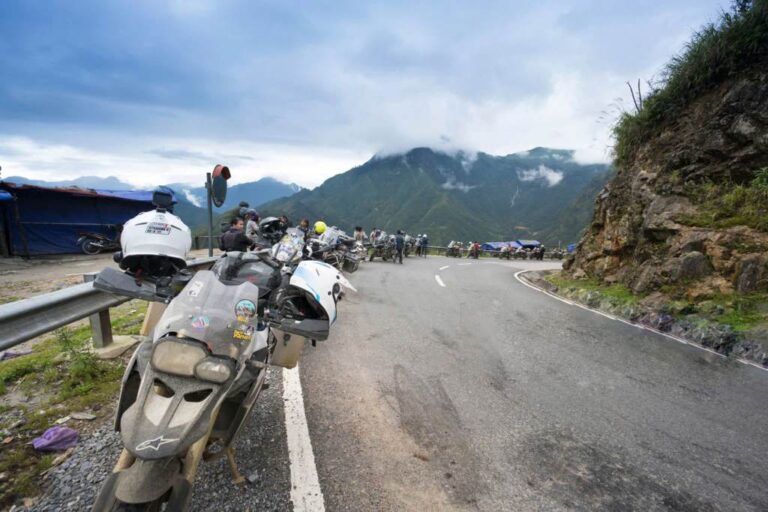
(156, 242)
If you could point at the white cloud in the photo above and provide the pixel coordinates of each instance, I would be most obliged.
(452, 184)
(191, 198)
(550, 176)
(134, 161)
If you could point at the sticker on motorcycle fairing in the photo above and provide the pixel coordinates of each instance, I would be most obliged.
(194, 288)
(244, 332)
(158, 228)
(200, 322)
(245, 308)
(154, 444)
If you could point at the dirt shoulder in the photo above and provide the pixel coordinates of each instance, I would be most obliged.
(20, 278)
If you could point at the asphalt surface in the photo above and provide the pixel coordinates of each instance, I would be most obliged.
(487, 395)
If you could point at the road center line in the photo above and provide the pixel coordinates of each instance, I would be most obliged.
(464, 264)
(306, 494)
(622, 320)
(444, 267)
(439, 281)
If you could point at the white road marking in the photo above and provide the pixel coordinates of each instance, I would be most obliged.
(444, 267)
(464, 264)
(306, 494)
(639, 326)
(439, 281)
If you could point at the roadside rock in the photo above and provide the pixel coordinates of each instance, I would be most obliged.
(649, 228)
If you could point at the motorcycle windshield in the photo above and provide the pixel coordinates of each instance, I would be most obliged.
(223, 316)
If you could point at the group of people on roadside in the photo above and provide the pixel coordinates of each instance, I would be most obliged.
(248, 231)
(403, 242)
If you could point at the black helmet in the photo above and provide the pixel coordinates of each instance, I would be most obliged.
(271, 229)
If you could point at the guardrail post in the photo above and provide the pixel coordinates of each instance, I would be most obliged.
(101, 324)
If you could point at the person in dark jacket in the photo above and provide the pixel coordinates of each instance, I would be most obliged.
(399, 245)
(234, 239)
(424, 244)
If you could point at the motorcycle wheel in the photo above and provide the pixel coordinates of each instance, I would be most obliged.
(88, 247)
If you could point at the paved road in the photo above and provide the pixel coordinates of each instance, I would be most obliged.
(483, 394)
(487, 395)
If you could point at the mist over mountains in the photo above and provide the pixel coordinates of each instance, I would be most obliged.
(542, 193)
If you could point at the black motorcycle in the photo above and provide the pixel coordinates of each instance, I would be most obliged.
(94, 243)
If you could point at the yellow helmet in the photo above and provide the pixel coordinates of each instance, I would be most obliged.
(320, 227)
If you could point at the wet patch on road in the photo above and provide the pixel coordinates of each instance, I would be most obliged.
(586, 476)
(430, 418)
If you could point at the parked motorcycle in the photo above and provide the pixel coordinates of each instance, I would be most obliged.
(94, 243)
(454, 249)
(187, 392)
(383, 247)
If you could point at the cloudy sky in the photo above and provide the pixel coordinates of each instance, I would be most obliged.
(159, 91)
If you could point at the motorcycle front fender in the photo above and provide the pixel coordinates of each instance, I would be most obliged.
(169, 414)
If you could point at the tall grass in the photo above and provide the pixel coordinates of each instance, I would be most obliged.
(722, 205)
(735, 43)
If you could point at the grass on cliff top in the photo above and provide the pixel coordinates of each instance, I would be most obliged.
(723, 205)
(72, 380)
(737, 42)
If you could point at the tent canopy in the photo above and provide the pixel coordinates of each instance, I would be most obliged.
(44, 220)
(497, 246)
(529, 244)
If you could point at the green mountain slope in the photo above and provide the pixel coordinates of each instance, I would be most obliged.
(457, 196)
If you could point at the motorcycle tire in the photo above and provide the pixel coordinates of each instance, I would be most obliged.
(90, 248)
(106, 499)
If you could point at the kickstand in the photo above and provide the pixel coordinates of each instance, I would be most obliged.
(238, 479)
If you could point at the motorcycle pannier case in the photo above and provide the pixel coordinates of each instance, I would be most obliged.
(288, 349)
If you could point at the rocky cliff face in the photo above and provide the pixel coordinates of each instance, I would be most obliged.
(651, 228)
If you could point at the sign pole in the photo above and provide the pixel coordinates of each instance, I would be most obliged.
(210, 213)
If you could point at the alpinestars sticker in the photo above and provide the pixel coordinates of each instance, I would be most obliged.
(154, 444)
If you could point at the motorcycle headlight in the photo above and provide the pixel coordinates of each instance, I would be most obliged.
(177, 358)
(213, 370)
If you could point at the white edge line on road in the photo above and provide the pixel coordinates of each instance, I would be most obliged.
(464, 264)
(622, 320)
(439, 281)
(306, 494)
(444, 267)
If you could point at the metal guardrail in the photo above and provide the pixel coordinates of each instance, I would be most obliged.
(28, 318)
(442, 251)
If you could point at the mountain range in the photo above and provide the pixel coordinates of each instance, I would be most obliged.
(542, 193)
(190, 200)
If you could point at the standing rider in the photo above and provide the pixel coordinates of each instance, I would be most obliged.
(399, 245)
(252, 225)
(234, 239)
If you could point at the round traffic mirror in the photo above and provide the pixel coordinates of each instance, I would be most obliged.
(219, 179)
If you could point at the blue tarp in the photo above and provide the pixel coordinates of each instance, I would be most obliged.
(528, 244)
(50, 220)
(571, 247)
(497, 246)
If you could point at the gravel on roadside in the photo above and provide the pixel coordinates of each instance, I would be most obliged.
(261, 452)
